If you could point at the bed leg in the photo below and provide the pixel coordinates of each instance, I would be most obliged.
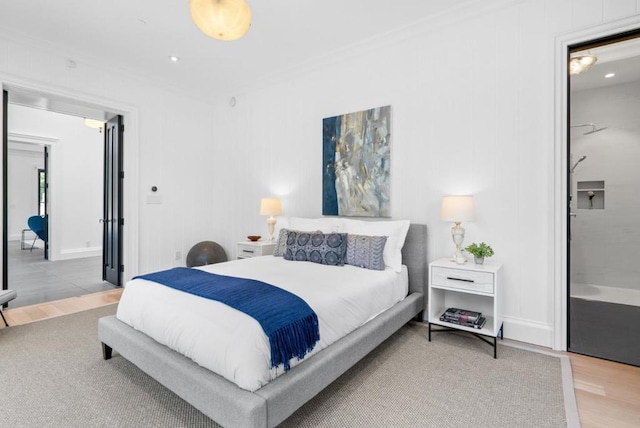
(419, 316)
(106, 351)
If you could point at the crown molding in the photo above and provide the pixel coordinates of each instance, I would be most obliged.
(460, 12)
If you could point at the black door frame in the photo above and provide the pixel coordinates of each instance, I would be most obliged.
(46, 201)
(5, 175)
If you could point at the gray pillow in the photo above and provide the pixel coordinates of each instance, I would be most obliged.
(323, 248)
(366, 251)
(281, 243)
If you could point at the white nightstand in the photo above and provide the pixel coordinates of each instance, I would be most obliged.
(248, 249)
(470, 286)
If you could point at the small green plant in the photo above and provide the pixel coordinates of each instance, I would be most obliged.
(480, 250)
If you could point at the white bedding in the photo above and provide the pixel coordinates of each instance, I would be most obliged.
(233, 344)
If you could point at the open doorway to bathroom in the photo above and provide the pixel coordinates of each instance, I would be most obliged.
(603, 178)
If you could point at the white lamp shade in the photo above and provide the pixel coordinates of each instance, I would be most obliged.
(221, 19)
(270, 206)
(457, 208)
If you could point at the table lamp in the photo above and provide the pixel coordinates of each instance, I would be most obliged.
(457, 209)
(270, 207)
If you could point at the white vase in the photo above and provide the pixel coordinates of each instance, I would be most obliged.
(478, 260)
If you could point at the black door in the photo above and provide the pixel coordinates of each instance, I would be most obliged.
(5, 226)
(112, 220)
(46, 199)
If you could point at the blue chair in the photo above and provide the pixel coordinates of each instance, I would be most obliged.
(38, 225)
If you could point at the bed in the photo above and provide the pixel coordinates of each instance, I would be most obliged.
(232, 406)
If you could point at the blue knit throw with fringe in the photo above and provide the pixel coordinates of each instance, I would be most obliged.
(287, 320)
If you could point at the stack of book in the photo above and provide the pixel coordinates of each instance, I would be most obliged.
(463, 317)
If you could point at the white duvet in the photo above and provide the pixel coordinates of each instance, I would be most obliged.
(231, 343)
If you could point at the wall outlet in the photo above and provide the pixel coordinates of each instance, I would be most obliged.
(178, 255)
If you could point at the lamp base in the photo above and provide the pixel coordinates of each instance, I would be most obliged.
(457, 234)
(271, 224)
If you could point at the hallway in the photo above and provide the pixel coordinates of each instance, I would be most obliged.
(37, 280)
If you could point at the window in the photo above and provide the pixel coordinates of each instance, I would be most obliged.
(42, 194)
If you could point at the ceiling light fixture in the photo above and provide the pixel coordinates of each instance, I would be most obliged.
(174, 58)
(221, 19)
(581, 63)
(93, 123)
(609, 75)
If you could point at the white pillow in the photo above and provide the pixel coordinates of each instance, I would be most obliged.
(281, 223)
(395, 230)
(325, 224)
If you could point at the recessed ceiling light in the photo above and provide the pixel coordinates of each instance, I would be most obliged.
(174, 58)
(609, 75)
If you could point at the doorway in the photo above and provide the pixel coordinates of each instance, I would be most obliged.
(66, 253)
(603, 239)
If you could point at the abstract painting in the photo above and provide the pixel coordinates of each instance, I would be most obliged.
(356, 162)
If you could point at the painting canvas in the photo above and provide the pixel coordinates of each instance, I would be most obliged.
(356, 160)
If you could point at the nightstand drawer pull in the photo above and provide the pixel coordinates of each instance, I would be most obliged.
(460, 279)
(248, 251)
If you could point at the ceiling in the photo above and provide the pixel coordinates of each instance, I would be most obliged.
(139, 36)
(621, 59)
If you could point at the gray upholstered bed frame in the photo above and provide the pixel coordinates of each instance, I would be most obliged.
(232, 406)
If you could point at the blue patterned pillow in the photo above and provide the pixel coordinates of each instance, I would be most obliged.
(323, 248)
(366, 251)
(281, 243)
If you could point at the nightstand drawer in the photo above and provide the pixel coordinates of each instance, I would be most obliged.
(462, 279)
(247, 250)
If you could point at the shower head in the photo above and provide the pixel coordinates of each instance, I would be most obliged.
(577, 162)
(594, 130)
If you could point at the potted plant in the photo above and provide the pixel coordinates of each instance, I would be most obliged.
(480, 251)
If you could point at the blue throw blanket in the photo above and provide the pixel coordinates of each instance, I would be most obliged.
(287, 320)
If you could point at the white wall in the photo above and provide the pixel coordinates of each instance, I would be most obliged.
(473, 112)
(606, 242)
(473, 106)
(171, 134)
(75, 179)
(24, 160)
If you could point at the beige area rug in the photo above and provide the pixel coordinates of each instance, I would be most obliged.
(53, 375)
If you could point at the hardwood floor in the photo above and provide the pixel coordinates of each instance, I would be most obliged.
(607, 393)
(56, 308)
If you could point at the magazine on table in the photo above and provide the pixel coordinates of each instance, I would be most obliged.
(464, 318)
(462, 314)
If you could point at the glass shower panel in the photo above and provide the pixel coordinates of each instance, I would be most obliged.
(604, 241)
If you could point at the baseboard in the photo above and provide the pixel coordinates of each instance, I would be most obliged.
(79, 253)
(528, 331)
(522, 330)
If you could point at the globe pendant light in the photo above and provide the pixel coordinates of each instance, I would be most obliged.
(221, 19)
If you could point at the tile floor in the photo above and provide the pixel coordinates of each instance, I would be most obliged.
(38, 280)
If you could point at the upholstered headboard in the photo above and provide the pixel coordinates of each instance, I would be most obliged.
(414, 256)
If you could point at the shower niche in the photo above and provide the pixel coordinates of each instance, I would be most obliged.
(590, 195)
